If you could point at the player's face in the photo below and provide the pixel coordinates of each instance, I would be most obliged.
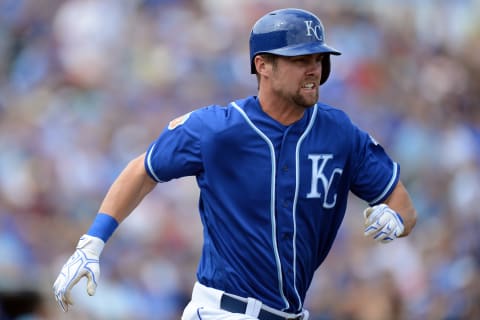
(298, 78)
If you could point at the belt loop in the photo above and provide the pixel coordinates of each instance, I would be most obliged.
(253, 307)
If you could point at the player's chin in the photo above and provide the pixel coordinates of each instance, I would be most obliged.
(308, 97)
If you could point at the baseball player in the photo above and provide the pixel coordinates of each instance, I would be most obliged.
(274, 171)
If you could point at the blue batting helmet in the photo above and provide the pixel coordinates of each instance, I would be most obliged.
(290, 32)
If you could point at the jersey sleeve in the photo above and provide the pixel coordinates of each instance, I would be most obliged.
(176, 152)
(376, 174)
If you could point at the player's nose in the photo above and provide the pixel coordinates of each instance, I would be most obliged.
(314, 65)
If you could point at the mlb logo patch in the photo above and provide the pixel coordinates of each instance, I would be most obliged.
(178, 121)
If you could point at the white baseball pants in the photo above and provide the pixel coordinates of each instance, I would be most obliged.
(205, 305)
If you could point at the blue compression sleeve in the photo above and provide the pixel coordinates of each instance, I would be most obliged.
(103, 226)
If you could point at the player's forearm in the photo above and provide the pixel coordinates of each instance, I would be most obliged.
(401, 202)
(128, 190)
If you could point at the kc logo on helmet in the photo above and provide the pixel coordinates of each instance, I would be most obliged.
(315, 30)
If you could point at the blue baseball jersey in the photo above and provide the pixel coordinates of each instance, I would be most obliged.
(272, 197)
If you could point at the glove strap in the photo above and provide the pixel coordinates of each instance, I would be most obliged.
(91, 244)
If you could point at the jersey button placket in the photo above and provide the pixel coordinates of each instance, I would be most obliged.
(287, 235)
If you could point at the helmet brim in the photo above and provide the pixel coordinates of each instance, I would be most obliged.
(304, 49)
(299, 50)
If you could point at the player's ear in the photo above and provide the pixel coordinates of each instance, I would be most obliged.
(261, 64)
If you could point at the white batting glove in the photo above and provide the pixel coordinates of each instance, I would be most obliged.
(383, 223)
(83, 263)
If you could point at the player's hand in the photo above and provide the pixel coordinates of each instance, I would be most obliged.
(383, 223)
(83, 263)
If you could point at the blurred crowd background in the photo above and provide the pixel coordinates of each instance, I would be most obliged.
(86, 85)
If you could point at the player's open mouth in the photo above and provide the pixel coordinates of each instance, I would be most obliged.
(309, 85)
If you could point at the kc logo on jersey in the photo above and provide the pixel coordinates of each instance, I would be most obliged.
(315, 30)
(319, 161)
(178, 121)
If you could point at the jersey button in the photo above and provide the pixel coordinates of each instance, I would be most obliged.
(287, 236)
(285, 168)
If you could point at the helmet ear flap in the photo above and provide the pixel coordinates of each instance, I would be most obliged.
(253, 68)
(325, 69)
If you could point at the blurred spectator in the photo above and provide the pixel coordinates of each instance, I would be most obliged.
(86, 85)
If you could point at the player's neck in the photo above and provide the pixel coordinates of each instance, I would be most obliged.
(281, 110)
